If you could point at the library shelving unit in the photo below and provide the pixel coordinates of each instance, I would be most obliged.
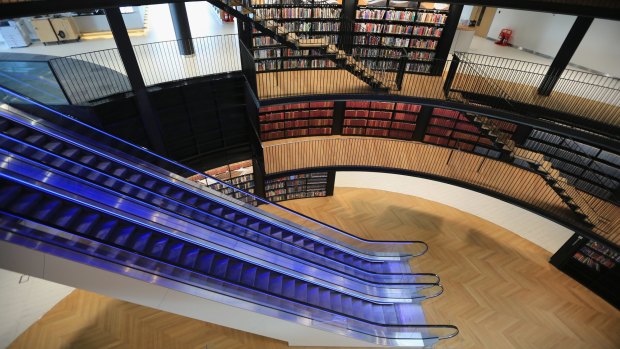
(450, 128)
(239, 175)
(593, 263)
(586, 167)
(385, 31)
(380, 119)
(299, 186)
(305, 18)
(296, 120)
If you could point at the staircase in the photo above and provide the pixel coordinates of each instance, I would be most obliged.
(290, 39)
(537, 162)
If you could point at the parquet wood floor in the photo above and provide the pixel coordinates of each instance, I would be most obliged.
(499, 289)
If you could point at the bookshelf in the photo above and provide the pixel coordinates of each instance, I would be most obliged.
(593, 263)
(450, 128)
(239, 175)
(586, 167)
(380, 119)
(387, 30)
(296, 120)
(382, 33)
(299, 186)
(307, 19)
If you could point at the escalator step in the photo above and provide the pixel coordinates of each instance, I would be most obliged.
(45, 210)
(189, 257)
(67, 215)
(262, 279)
(159, 244)
(71, 153)
(178, 195)
(104, 165)
(142, 241)
(275, 284)
(220, 266)
(8, 194)
(18, 132)
(36, 139)
(120, 172)
(288, 287)
(313, 295)
(122, 235)
(249, 275)
(89, 160)
(24, 203)
(86, 223)
(205, 260)
(325, 299)
(174, 254)
(192, 200)
(377, 312)
(104, 229)
(347, 304)
(234, 271)
(53, 146)
(336, 302)
(301, 291)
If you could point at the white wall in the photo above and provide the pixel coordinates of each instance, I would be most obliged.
(466, 12)
(545, 32)
(537, 31)
(537, 229)
(600, 49)
(24, 300)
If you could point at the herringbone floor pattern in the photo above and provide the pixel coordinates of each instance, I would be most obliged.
(499, 289)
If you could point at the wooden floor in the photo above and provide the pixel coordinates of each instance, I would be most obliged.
(499, 289)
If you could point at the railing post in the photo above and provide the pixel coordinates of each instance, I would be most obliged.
(447, 85)
(402, 65)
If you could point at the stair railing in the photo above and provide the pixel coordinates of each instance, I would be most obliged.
(472, 68)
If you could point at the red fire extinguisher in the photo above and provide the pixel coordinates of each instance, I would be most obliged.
(504, 37)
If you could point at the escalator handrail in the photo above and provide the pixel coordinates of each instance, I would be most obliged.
(64, 247)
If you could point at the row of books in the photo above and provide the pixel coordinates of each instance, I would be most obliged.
(374, 40)
(282, 125)
(298, 13)
(314, 131)
(418, 68)
(302, 114)
(292, 106)
(294, 64)
(432, 18)
(379, 124)
(380, 65)
(398, 29)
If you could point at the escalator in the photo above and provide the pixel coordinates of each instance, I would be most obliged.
(95, 199)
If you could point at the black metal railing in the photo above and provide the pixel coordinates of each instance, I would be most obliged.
(90, 76)
(584, 95)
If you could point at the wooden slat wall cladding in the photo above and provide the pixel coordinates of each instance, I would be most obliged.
(494, 175)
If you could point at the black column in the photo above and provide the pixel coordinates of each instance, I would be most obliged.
(347, 25)
(424, 117)
(178, 13)
(149, 118)
(447, 35)
(561, 60)
(339, 108)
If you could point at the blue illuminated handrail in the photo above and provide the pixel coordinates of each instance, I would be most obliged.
(398, 248)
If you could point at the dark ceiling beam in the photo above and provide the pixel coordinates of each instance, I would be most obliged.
(608, 9)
